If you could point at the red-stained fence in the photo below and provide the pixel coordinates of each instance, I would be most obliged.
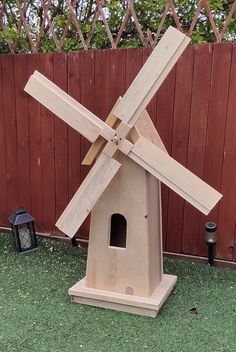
(194, 112)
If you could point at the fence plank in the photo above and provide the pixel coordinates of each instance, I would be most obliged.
(10, 132)
(87, 98)
(197, 139)
(48, 155)
(22, 131)
(182, 110)
(164, 125)
(216, 134)
(35, 132)
(102, 87)
(3, 169)
(134, 60)
(152, 106)
(117, 81)
(61, 140)
(226, 222)
(73, 136)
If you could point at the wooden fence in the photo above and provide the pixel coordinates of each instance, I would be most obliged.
(59, 21)
(194, 111)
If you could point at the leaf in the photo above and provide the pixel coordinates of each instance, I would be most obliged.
(193, 310)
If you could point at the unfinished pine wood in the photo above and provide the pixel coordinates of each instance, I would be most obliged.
(68, 98)
(144, 126)
(151, 76)
(65, 107)
(174, 175)
(100, 142)
(147, 306)
(121, 269)
(87, 195)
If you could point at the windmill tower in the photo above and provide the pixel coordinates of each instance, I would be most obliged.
(124, 268)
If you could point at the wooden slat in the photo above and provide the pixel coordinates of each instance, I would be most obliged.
(226, 223)
(3, 168)
(65, 107)
(102, 84)
(10, 132)
(87, 84)
(95, 148)
(174, 175)
(215, 138)
(102, 102)
(117, 66)
(180, 134)
(22, 132)
(164, 125)
(48, 152)
(133, 64)
(144, 127)
(35, 133)
(151, 76)
(93, 151)
(197, 139)
(73, 136)
(86, 197)
(61, 140)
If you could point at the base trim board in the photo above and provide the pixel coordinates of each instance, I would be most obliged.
(147, 306)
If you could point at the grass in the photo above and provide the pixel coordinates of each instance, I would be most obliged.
(36, 313)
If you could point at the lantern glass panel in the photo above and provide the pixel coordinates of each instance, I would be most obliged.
(25, 236)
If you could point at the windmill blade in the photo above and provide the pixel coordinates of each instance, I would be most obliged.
(65, 107)
(151, 76)
(87, 195)
(174, 175)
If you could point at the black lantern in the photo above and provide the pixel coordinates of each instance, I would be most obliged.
(23, 231)
(211, 237)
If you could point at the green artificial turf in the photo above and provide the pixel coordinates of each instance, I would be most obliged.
(36, 313)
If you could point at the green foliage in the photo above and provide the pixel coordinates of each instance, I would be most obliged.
(149, 14)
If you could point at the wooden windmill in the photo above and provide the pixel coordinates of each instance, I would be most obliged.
(124, 268)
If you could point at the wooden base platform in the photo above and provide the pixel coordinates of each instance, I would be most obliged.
(148, 306)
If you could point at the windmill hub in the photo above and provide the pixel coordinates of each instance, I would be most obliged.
(116, 139)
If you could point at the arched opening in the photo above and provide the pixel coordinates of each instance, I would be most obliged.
(118, 231)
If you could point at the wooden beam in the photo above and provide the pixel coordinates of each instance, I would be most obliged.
(96, 148)
(151, 76)
(174, 175)
(64, 106)
(87, 195)
(143, 127)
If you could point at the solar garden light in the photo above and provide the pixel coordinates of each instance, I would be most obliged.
(211, 237)
(73, 241)
(23, 231)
